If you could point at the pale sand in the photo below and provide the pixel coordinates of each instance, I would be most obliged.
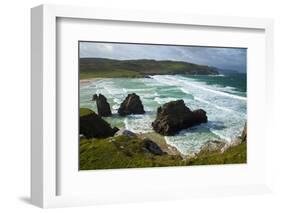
(84, 82)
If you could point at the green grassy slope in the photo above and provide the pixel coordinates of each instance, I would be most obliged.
(236, 154)
(121, 152)
(126, 152)
(101, 67)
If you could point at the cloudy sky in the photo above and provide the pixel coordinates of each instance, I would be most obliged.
(224, 58)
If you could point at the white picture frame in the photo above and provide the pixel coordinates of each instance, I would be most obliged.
(44, 169)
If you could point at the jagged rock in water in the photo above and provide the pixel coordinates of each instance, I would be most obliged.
(131, 105)
(102, 105)
(175, 116)
(93, 126)
(199, 116)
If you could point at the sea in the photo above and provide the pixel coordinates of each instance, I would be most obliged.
(223, 97)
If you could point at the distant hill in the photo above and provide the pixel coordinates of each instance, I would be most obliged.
(102, 67)
(228, 71)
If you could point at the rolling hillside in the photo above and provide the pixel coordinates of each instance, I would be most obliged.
(101, 67)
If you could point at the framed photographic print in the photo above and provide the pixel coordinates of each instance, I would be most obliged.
(130, 106)
(158, 105)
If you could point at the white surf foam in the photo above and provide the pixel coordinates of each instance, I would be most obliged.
(163, 100)
(138, 123)
(214, 105)
(201, 87)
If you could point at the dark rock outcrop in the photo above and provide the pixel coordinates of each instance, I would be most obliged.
(131, 105)
(175, 116)
(125, 132)
(152, 147)
(199, 116)
(93, 126)
(102, 105)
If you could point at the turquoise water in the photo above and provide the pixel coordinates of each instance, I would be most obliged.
(223, 97)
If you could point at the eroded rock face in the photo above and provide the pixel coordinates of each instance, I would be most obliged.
(93, 126)
(244, 133)
(212, 146)
(199, 116)
(131, 105)
(175, 116)
(102, 105)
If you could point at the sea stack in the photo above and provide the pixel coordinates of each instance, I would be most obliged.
(175, 116)
(102, 105)
(131, 105)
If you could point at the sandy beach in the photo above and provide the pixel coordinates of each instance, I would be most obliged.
(87, 81)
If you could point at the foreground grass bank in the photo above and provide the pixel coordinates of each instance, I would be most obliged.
(233, 155)
(128, 152)
(121, 152)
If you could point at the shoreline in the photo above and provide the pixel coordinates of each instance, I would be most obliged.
(127, 152)
(145, 76)
(133, 151)
(169, 148)
(85, 82)
(210, 146)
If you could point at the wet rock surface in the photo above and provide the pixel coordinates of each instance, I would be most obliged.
(131, 105)
(175, 116)
(102, 105)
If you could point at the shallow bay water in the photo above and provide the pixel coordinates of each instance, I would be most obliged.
(223, 97)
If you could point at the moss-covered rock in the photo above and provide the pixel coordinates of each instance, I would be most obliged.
(93, 126)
